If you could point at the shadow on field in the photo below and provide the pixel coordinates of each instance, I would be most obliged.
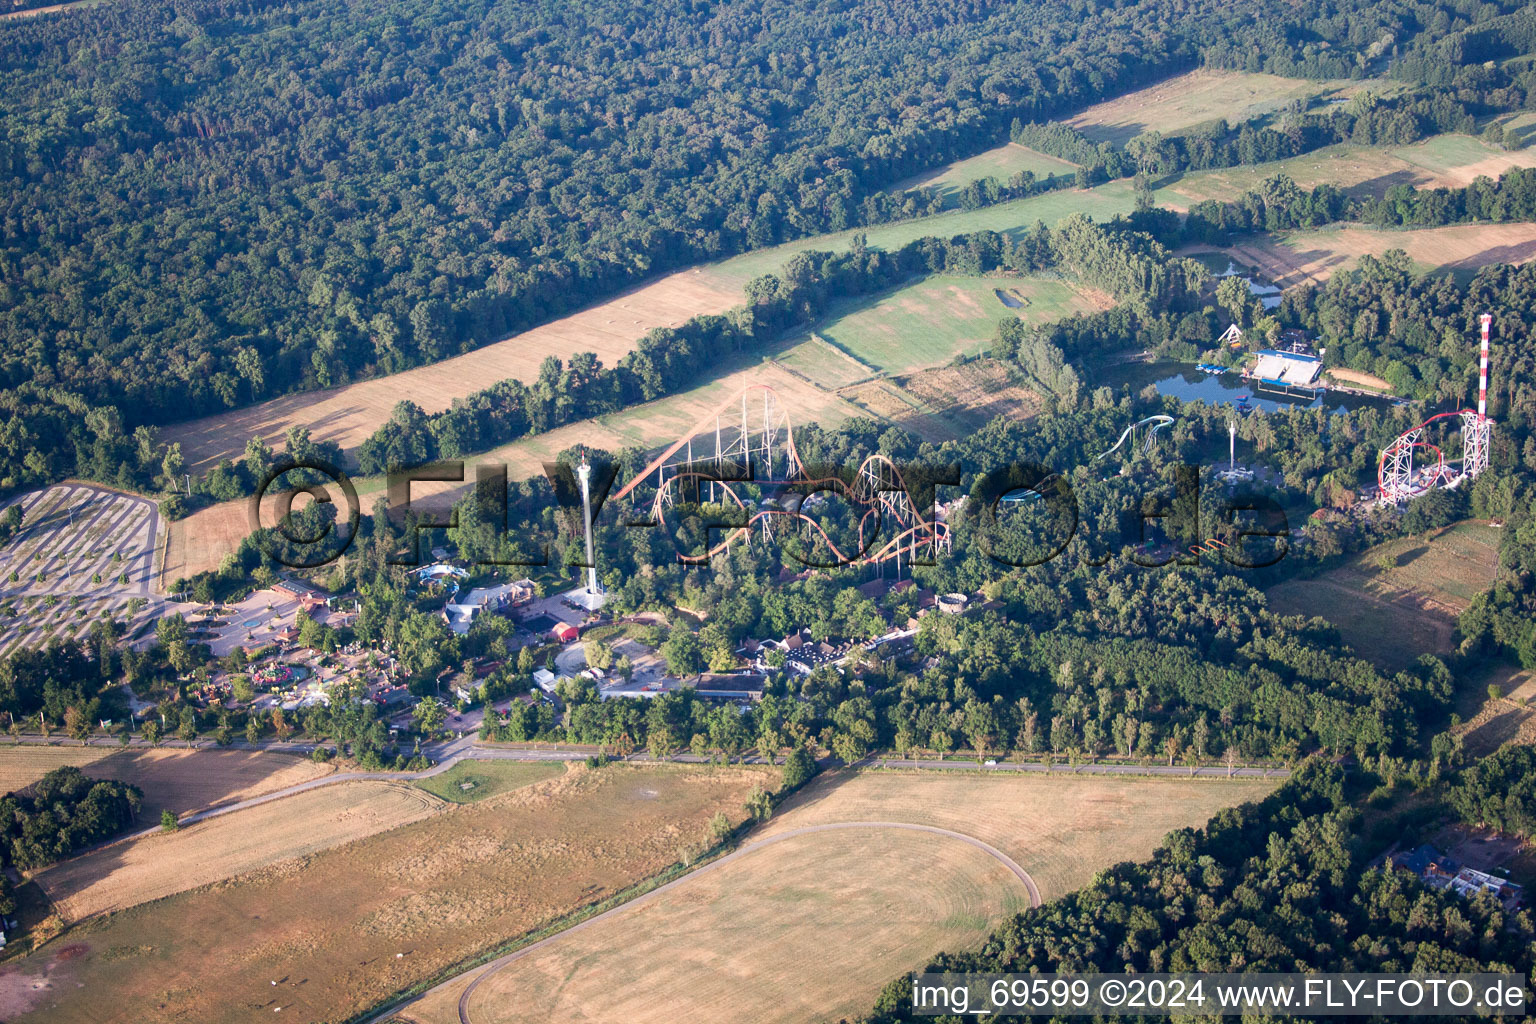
(818, 789)
(1375, 188)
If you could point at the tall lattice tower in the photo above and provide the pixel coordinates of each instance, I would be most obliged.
(1477, 431)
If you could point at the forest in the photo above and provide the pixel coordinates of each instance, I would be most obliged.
(62, 812)
(226, 200)
(1281, 886)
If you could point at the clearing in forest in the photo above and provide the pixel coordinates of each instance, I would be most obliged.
(1444, 161)
(1001, 163)
(931, 321)
(1204, 95)
(811, 928)
(1295, 257)
(1493, 721)
(1391, 615)
(348, 415)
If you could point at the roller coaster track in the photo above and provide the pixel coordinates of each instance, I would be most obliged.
(878, 486)
(1397, 477)
(1158, 423)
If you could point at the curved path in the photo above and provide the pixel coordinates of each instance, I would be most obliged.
(496, 965)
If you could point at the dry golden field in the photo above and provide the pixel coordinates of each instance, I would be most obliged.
(180, 780)
(341, 929)
(855, 906)
(1492, 722)
(1197, 96)
(810, 928)
(23, 765)
(348, 415)
(126, 874)
(1295, 257)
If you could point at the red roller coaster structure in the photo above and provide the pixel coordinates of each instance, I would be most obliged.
(1399, 479)
(765, 440)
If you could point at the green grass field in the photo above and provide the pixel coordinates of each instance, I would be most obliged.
(1100, 203)
(1001, 163)
(929, 322)
(1522, 126)
(487, 779)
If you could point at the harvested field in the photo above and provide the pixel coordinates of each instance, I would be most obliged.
(947, 402)
(810, 929)
(1392, 616)
(1202, 95)
(1293, 257)
(128, 874)
(21, 766)
(179, 780)
(1000, 163)
(184, 780)
(732, 945)
(1059, 828)
(199, 542)
(972, 394)
(341, 929)
(348, 415)
(1449, 161)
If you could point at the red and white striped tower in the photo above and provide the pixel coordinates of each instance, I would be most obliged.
(1477, 431)
(1482, 368)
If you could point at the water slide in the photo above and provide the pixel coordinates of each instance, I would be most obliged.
(1157, 422)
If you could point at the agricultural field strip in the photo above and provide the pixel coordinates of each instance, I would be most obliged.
(83, 887)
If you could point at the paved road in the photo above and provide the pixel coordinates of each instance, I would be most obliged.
(446, 755)
(486, 970)
(469, 747)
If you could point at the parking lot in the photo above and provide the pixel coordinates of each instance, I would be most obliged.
(82, 552)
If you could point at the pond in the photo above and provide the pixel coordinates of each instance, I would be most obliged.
(1223, 266)
(1188, 384)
